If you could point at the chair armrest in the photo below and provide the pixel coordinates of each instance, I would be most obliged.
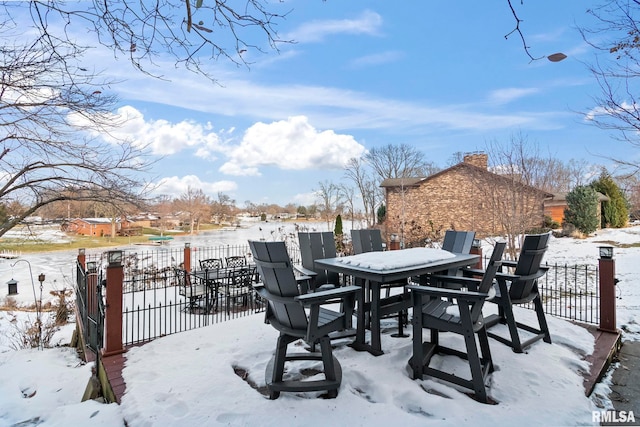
(447, 293)
(327, 296)
(260, 289)
(512, 277)
(305, 271)
(509, 263)
(457, 280)
(472, 272)
(303, 278)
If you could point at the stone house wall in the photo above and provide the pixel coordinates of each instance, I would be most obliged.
(463, 197)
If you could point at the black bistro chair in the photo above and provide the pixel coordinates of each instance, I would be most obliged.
(236, 261)
(211, 263)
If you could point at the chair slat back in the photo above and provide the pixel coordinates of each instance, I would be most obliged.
(459, 242)
(236, 261)
(533, 249)
(276, 273)
(318, 245)
(211, 263)
(366, 240)
(488, 277)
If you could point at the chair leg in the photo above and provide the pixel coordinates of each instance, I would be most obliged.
(542, 319)
(280, 358)
(513, 328)
(327, 359)
(418, 356)
(485, 350)
(475, 364)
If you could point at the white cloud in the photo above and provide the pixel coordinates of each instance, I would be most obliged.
(504, 96)
(305, 199)
(377, 58)
(315, 31)
(290, 144)
(163, 137)
(175, 186)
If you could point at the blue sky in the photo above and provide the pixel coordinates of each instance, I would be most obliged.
(439, 76)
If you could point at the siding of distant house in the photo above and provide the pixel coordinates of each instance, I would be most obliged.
(555, 212)
(555, 207)
(463, 197)
(91, 226)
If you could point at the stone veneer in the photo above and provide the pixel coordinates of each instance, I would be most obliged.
(463, 197)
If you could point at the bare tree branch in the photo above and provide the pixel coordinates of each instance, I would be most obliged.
(519, 32)
(53, 120)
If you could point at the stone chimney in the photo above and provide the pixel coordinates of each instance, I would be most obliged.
(480, 160)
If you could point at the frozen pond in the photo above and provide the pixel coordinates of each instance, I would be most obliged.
(58, 266)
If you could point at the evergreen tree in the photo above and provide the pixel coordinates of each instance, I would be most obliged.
(615, 212)
(337, 231)
(382, 214)
(582, 209)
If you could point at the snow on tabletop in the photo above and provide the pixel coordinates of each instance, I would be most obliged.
(391, 260)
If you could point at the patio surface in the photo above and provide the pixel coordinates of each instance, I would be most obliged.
(607, 346)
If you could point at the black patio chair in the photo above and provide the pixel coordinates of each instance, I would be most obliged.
(313, 246)
(434, 308)
(287, 312)
(521, 287)
(366, 240)
(236, 261)
(211, 263)
(193, 290)
(238, 288)
(459, 242)
(370, 240)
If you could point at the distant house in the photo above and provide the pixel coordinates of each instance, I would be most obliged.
(554, 207)
(92, 226)
(466, 196)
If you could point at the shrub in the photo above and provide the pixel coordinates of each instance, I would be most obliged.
(582, 209)
(63, 307)
(550, 224)
(32, 333)
(615, 212)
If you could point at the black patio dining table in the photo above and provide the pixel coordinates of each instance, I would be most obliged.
(216, 277)
(377, 268)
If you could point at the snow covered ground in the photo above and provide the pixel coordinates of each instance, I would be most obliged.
(189, 378)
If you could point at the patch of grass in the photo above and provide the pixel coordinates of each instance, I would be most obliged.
(619, 245)
(87, 242)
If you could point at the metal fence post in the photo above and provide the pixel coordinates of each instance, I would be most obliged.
(607, 276)
(113, 313)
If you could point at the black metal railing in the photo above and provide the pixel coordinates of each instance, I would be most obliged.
(571, 292)
(155, 303)
(180, 305)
